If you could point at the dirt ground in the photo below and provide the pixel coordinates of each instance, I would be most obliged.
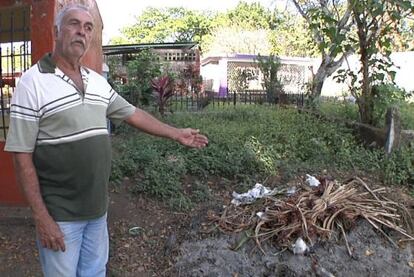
(148, 239)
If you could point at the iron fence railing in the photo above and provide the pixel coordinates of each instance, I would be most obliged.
(15, 57)
(195, 102)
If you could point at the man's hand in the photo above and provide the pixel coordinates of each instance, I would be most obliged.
(149, 124)
(191, 138)
(49, 233)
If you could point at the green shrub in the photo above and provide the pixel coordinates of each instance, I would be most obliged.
(407, 115)
(399, 167)
(341, 109)
(385, 96)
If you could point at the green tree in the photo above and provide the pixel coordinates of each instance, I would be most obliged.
(236, 39)
(244, 29)
(291, 37)
(376, 21)
(141, 70)
(251, 16)
(156, 25)
(329, 23)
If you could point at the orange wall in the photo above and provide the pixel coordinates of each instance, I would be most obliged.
(9, 191)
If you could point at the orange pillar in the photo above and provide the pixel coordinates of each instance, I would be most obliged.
(42, 21)
(10, 193)
(41, 35)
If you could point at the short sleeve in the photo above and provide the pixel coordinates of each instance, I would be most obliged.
(24, 120)
(118, 109)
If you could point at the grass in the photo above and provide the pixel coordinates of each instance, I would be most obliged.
(349, 111)
(407, 115)
(248, 144)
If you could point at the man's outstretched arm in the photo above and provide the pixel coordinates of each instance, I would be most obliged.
(149, 124)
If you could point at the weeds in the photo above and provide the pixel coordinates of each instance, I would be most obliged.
(248, 144)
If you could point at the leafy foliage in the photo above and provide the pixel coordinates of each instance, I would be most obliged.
(168, 25)
(339, 109)
(376, 21)
(142, 69)
(249, 144)
(270, 66)
(247, 28)
(407, 115)
(163, 91)
(291, 37)
(239, 79)
(250, 16)
(399, 168)
(385, 96)
(330, 23)
(236, 39)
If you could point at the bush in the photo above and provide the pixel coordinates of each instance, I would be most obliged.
(407, 115)
(385, 96)
(341, 109)
(399, 167)
(141, 70)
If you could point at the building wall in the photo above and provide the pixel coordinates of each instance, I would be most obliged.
(175, 60)
(214, 73)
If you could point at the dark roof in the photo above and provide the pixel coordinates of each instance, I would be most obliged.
(134, 48)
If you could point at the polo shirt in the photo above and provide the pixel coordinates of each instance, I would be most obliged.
(66, 130)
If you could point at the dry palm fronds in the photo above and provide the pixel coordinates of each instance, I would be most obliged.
(315, 213)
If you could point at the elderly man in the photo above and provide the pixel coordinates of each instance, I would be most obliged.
(62, 151)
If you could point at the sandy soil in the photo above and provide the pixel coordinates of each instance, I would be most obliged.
(149, 239)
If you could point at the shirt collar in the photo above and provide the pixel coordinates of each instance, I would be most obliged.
(47, 65)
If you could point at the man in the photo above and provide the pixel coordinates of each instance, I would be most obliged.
(61, 148)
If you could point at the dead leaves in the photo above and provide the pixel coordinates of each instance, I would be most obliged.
(314, 213)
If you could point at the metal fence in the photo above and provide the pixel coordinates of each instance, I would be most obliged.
(210, 99)
(15, 57)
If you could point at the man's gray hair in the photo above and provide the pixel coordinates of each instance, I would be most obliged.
(61, 14)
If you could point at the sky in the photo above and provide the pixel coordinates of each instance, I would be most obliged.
(119, 13)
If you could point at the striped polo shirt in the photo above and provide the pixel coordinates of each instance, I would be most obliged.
(66, 130)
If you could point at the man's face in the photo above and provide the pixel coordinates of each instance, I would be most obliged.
(75, 34)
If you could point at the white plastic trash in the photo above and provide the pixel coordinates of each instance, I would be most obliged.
(258, 191)
(299, 247)
(291, 191)
(312, 181)
(260, 214)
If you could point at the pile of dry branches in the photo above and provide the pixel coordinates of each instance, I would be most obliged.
(315, 213)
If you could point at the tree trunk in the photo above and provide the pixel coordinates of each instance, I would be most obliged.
(317, 82)
(327, 68)
(365, 101)
(366, 104)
